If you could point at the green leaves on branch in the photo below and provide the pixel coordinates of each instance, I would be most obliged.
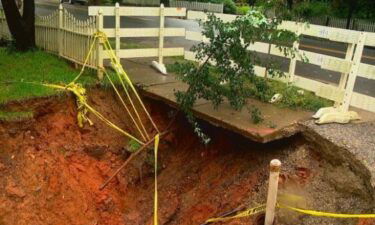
(227, 68)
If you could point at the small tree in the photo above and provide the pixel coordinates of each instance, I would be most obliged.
(227, 68)
(22, 27)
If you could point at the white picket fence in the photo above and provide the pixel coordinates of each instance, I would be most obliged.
(355, 24)
(199, 6)
(4, 31)
(141, 2)
(62, 34)
(350, 67)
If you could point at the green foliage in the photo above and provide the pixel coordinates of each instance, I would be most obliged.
(307, 10)
(256, 115)
(133, 146)
(18, 68)
(229, 6)
(242, 10)
(233, 73)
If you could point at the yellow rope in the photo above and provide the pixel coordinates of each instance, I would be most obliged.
(326, 214)
(117, 65)
(125, 106)
(86, 60)
(156, 146)
(132, 104)
(82, 101)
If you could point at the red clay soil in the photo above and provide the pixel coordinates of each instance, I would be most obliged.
(51, 170)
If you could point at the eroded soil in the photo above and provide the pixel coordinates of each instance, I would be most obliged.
(51, 171)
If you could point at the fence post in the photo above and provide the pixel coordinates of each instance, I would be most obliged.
(344, 76)
(99, 52)
(117, 32)
(275, 165)
(159, 65)
(161, 34)
(293, 61)
(60, 31)
(353, 72)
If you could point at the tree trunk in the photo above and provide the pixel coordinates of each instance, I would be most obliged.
(22, 27)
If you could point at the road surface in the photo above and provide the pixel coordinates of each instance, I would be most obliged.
(363, 85)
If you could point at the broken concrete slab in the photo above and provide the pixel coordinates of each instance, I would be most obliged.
(279, 122)
(350, 145)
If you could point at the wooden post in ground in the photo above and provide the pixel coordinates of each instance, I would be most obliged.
(293, 61)
(159, 64)
(99, 50)
(272, 191)
(117, 29)
(161, 34)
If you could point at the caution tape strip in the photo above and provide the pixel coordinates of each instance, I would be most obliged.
(262, 208)
(246, 213)
(326, 214)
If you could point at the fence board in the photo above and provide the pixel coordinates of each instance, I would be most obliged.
(147, 52)
(366, 71)
(136, 11)
(363, 102)
(145, 32)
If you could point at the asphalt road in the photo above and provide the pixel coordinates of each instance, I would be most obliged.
(363, 85)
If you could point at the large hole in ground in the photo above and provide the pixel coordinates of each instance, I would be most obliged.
(51, 171)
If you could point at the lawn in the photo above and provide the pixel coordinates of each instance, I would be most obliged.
(17, 69)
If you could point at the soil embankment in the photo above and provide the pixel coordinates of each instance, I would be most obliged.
(51, 171)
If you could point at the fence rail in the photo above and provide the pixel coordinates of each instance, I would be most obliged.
(349, 68)
(199, 6)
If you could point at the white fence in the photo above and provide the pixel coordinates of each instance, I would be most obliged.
(350, 67)
(141, 2)
(61, 33)
(199, 6)
(117, 32)
(4, 31)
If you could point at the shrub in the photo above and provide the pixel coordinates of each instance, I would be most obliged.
(227, 69)
(242, 10)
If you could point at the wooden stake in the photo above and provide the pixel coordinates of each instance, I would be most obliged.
(272, 191)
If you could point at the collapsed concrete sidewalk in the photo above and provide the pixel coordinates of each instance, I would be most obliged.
(351, 146)
(279, 122)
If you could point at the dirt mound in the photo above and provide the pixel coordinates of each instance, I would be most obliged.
(51, 171)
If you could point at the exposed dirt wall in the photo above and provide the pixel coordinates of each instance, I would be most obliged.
(51, 170)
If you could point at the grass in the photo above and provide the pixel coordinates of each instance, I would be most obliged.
(22, 73)
(16, 69)
(15, 116)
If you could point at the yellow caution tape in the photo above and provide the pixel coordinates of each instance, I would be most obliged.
(83, 106)
(156, 146)
(246, 213)
(262, 208)
(326, 214)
